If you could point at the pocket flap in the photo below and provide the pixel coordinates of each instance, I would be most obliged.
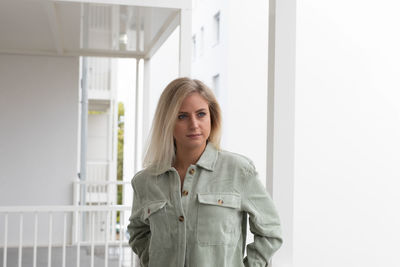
(223, 199)
(152, 207)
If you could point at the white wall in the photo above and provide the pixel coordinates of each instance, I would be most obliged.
(39, 98)
(240, 58)
(246, 114)
(347, 134)
(212, 58)
(164, 67)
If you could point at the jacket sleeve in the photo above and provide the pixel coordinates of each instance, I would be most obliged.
(139, 230)
(263, 220)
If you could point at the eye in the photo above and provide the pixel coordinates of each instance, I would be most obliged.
(181, 116)
(201, 114)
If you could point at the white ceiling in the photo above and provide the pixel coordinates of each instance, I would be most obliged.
(45, 27)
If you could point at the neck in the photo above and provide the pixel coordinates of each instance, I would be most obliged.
(185, 157)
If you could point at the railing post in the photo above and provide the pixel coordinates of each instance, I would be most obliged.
(50, 239)
(64, 238)
(75, 213)
(76, 192)
(78, 244)
(121, 236)
(21, 225)
(5, 240)
(92, 241)
(107, 229)
(35, 240)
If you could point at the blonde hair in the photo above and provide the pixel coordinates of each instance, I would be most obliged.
(160, 148)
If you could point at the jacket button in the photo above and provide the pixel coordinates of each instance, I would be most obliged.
(220, 201)
(185, 193)
(181, 218)
(191, 171)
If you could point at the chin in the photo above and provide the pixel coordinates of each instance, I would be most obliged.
(195, 143)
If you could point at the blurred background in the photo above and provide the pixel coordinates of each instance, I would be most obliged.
(309, 91)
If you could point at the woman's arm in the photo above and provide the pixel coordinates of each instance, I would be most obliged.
(263, 220)
(139, 230)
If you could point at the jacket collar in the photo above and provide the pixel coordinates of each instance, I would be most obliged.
(208, 158)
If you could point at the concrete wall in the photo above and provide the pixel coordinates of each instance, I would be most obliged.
(39, 100)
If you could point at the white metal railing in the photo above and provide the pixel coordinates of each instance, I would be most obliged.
(97, 171)
(99, 74)
(112, 238)
(98, 192)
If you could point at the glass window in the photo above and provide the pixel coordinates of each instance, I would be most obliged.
(216, 28)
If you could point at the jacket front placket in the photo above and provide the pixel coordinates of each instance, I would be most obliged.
(181, 211)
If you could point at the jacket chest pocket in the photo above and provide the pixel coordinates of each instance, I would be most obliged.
(155, 213)
(218, 218)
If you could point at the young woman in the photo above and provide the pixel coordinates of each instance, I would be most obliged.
(192, 199)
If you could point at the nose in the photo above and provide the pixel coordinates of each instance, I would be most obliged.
(193, 122)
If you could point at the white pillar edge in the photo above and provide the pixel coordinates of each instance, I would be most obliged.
(146, 87)
(137, 99)
(185, 42)
(136, 163)
(146, 102)
(280, 122)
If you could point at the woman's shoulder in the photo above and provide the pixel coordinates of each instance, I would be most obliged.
(142, 176)
(236, 160)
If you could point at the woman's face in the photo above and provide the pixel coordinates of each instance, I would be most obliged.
(193, 124)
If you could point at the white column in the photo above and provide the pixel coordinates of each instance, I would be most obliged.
(136, 260)
(280, 133)
(146, 120)
(137, 118)
(185, 49)
(129, 144)
(146, 100)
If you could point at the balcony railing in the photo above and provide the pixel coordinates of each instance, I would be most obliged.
(98, 171)
(25, 236)
(99, 76)
(99, 192)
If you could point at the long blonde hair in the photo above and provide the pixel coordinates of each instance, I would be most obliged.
(160, 149)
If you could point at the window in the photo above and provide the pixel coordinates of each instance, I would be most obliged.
(216, 28)
(201, 41)
(215, 84)
(194, 47)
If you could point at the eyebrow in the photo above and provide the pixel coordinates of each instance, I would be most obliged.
(183, 112)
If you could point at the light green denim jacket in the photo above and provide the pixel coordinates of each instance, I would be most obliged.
(205, 226)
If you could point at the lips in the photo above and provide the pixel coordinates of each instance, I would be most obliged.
(193, 135)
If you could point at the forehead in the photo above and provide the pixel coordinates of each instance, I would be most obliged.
(193, 102)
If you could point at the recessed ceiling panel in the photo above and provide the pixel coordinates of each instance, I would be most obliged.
(82, 28)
